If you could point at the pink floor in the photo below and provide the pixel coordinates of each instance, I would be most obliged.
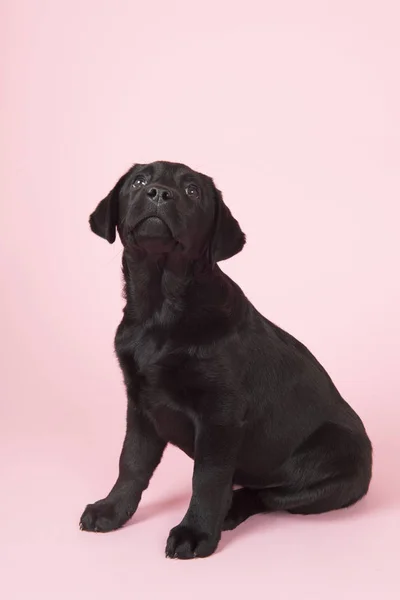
(293, 107)
(48, 478)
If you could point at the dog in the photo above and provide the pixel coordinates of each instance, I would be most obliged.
(204, 370)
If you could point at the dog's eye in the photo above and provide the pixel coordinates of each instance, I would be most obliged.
(140, 180)
(192, 191)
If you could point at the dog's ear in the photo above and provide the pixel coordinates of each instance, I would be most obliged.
(228, 239)
(103, 220)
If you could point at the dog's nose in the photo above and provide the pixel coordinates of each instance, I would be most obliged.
(159, 194)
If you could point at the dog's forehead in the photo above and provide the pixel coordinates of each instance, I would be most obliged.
(167, 169)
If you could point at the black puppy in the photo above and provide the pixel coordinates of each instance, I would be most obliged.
(205, 371)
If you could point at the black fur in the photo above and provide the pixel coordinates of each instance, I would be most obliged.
(204, 370)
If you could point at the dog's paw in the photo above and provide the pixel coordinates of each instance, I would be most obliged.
(231, 522)
(236, 514)
(187, 542)
(102, 516)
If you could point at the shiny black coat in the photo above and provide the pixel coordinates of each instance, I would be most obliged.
(205, 371)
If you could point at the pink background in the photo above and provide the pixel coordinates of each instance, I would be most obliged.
(293, 107)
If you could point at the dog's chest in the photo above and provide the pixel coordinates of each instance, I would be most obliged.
(160, 367)
(167, 383)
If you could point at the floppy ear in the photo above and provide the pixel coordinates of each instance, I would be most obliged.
(228, 239)
(103, 220)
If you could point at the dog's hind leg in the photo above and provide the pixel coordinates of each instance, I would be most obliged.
(246, 502)
(331, 470)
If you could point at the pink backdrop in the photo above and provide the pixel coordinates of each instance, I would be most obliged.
(297, 99)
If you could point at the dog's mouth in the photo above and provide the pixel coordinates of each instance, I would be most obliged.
(152, 227)
(153, 234)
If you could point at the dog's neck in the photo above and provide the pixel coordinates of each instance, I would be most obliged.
(158, 285)
(189, 302)
(184, 300)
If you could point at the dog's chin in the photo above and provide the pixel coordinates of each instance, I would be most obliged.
(154, 236)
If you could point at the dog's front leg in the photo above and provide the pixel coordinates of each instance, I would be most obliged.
(199, 532)
(141, 452)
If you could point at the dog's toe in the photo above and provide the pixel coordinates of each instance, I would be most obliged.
(187, 542)
(102, 516)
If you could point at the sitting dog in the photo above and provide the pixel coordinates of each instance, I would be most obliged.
(205, 371)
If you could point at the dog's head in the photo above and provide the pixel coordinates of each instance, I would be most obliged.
(159, 205)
